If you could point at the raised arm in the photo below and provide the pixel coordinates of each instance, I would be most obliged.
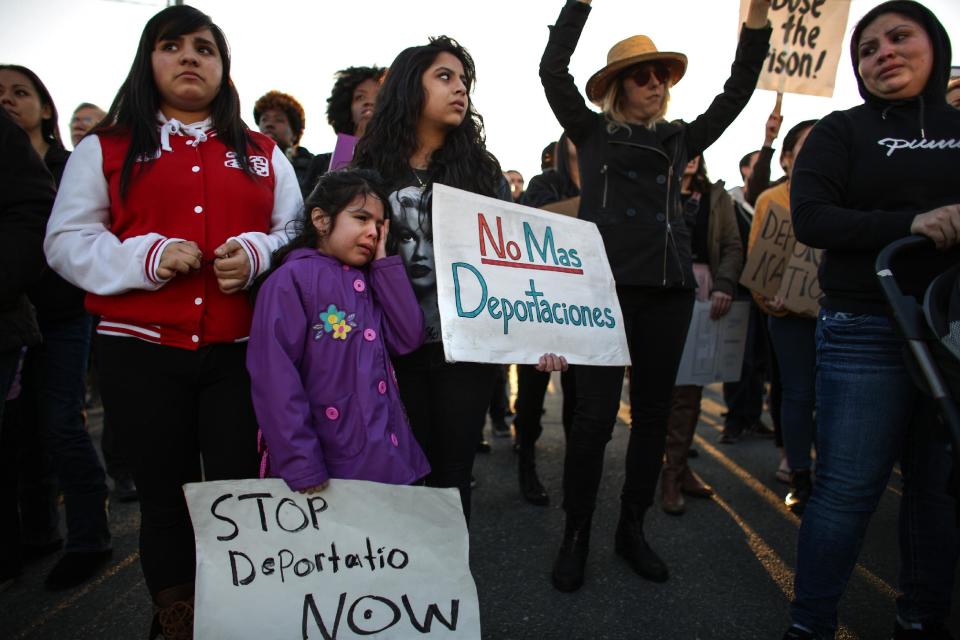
(751, 52)
(565, 99)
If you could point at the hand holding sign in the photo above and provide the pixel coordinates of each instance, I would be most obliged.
(772, 128)
(805, 46)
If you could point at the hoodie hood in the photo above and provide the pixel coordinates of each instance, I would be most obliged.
(936, 89)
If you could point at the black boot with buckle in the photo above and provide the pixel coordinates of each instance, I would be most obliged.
(571, 560)
(632, 545)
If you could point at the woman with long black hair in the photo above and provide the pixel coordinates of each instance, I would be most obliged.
(425, 130)
(631, 164)
(166, 212)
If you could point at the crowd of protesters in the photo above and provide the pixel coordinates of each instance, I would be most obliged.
(247, 309)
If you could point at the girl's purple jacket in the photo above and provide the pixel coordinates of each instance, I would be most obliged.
(319, 360)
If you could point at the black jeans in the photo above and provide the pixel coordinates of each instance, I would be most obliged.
(176, 407)
(656, 323)
(531, 391)
(446, 404)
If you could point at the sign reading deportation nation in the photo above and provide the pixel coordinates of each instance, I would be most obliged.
(778, 265)
(516, 282)
(359, 559)
(805, 47)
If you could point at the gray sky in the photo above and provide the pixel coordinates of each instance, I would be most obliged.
(82, 49)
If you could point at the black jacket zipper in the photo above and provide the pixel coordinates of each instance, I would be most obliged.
(668, 239)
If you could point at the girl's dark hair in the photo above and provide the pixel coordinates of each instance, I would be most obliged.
(793, 136)
(561, 164)
(49, 128)
(134, 109)
(339, 114)
(334, 191)
(701, 181)
(391, 137)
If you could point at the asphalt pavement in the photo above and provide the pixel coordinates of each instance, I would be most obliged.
(731, 558)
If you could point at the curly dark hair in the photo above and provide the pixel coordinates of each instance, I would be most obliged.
(334, 191)
(338, 104)
(286, 103)
(391, 138)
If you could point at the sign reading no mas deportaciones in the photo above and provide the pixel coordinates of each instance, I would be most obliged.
(515, 282)
(357, 560)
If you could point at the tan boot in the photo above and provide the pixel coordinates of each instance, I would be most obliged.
(173, 613)
(671, 499)
(692, 485)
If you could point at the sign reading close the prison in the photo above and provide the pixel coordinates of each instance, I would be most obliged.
(516, 282)
(356, 560)
(805, 47)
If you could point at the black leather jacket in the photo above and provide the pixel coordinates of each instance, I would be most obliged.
(631, 178)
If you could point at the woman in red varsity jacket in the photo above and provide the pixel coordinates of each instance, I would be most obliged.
(164, 217)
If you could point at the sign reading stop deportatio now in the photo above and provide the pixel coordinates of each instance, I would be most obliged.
(357, 560)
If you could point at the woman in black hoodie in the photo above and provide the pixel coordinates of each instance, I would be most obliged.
(866, 177)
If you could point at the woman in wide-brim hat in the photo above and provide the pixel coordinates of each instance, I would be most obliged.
(631, 163)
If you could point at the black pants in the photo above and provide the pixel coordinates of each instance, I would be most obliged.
(531, 391)
(656, 323)
(177, 407)
(446, 404)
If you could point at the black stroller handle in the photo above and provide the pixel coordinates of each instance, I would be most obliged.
(906, 311)
(909, 318)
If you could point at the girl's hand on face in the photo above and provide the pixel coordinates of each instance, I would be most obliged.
(552, 362)
(381, 251)
(942, 225)
(317, 489)
(231, 266)
(179, 257)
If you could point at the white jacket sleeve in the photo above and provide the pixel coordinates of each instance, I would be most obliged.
(79, 245)
(287, 203)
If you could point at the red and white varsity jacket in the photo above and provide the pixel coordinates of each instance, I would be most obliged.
(194, 190)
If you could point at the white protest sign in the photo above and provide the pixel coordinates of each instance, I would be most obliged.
(359, 559)
(805, 47)
(714, 348)
(515, 282)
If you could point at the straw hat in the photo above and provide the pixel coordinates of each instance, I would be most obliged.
(627, 53)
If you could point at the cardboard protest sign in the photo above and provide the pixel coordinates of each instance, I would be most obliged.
(805, 47)
(713, 351)
(778, 265)
(568, 207)
(359, 559)
(515, 282)
(342, 152)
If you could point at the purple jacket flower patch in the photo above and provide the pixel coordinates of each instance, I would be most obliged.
(335, 322)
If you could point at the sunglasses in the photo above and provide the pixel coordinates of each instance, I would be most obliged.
(642, 72)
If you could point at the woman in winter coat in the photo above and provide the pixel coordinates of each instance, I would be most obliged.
(717, 261)
(868, 176)
(631, 162)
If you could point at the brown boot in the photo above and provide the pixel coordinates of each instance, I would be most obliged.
(173, 613)
(671, 499)
(692, 485)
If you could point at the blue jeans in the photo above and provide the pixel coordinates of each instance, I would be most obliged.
(869, 414)
(54, 375)
(794, 344)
